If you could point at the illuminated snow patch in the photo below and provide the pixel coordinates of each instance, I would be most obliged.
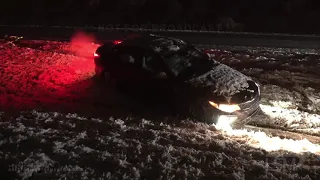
(279, 113)
(224, 122)
(283, 104)
(293, 117)
(263, 141)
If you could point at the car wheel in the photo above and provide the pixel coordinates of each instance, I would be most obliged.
(107, 79)
(239, 124)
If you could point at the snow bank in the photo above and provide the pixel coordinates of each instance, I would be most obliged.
(85, 147)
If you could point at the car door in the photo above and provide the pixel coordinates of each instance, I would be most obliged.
(125, 61)
(157, 83)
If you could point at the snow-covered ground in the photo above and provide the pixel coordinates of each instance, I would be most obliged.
(57, 121)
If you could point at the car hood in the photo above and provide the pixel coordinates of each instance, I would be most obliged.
(223, 80)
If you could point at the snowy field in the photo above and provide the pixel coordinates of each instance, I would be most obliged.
(58, 122)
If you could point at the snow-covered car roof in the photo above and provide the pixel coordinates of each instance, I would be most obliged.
(156, 43)
(225, 80)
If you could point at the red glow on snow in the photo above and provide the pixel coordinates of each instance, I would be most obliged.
(117, 42)
(43, 74)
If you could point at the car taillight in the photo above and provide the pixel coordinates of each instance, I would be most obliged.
(117, 42)
(95, 54)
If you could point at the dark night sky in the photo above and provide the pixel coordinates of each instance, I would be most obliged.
(290, 16)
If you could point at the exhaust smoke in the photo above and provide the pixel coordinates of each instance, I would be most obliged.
(83, 44)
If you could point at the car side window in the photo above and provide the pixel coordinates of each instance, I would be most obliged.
(151, 64)
(124, 56)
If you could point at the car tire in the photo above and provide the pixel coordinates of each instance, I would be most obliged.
(239, 124)
(107, 79)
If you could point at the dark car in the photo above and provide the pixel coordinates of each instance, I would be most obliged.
(176, 75)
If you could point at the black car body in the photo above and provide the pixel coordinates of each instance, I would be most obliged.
(175, 74)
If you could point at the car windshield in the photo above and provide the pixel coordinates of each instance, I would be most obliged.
(188, 61)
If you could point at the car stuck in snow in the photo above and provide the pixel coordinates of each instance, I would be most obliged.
(176, 75)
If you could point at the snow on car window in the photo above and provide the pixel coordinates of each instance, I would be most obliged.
(157, 49)
(173, 48)
(167, 45)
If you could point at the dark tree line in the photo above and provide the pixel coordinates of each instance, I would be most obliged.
(297, 16)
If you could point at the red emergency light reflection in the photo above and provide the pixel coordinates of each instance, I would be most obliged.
(117, 42)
